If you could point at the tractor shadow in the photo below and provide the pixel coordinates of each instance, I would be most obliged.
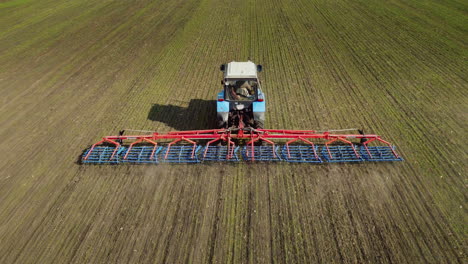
(200, 114)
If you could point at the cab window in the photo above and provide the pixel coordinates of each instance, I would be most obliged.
(241, 90)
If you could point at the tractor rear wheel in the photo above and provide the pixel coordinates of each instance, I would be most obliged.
(221, 124)
(258, 124)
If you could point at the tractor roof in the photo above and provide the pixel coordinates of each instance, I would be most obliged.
(236, 69)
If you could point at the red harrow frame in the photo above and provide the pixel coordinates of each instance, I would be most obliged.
(182, 147)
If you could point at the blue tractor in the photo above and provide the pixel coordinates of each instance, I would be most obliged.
(241, 103)
(240, 135)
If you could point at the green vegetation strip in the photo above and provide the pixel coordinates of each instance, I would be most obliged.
(13, 3)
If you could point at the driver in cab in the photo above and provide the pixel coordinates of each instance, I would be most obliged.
(243, 90)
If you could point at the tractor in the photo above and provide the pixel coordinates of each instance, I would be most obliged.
(241, 103)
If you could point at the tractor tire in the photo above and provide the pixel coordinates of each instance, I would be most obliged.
(258, 125)
(221, 125)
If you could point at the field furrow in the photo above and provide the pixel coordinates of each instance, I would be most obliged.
(74, 71)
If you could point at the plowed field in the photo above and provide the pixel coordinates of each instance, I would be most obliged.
(74, 71)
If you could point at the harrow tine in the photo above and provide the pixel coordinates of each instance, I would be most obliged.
(328, 149)
(230, 152)
(365, 145)
(115, 150)
(142, 154)
(193, 148)
(344, 140)
(181, 154)
(92, 148)
(131, 146)
(389, 145)
(219, 153)
(252, 151)
(380, 153)
(287, 145)
(252, 148)
(300, 151)
(272, 146)
(169, 147)
(352, 146)
(208, 144)
(261, 153)
(251, 142)
(117, 145)
(301, 154)
(154, 148)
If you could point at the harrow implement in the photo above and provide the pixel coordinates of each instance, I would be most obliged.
(240, 144)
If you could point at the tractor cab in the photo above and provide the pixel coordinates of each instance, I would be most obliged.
(242, 99)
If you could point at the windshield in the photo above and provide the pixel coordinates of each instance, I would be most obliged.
(241, 90)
